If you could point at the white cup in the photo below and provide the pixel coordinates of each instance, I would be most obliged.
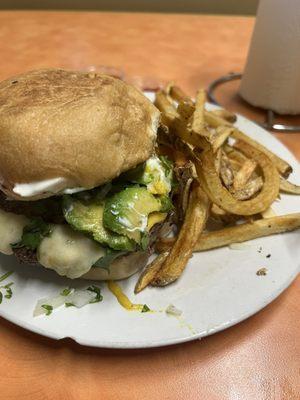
(271, 78)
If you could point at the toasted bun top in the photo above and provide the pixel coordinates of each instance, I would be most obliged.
(84, 127)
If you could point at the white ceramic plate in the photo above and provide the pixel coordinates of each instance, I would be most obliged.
(218, 289)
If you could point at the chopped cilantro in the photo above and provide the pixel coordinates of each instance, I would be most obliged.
(7, 287)
(69, 305)
(33, 233)
(105, 261)
(3, 277)
(96, 290)
(65, 292)
(8, 293)
(145, 308)
(48, 308)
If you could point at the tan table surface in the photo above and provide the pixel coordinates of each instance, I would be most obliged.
(257, 359)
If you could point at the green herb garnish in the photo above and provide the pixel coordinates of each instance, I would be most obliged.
(69, 305)
(166, 203)
(145, 308)
(8, 293)
(105, 261)
(96, 290)
(48, 308)
(65, 292)
(3, 277)
(33, 234)
(144, 241)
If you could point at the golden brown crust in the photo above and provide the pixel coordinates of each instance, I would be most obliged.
(84, 127)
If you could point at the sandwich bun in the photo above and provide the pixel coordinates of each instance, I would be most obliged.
(85, 128)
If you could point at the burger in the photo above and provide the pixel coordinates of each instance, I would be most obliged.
(83, 191)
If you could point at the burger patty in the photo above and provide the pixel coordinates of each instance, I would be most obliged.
(28, 256)
(49, 209)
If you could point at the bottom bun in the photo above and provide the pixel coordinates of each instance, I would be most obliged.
(121, 268)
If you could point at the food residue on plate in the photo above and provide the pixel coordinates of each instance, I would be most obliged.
(8, 291)
(262, 272)
(70, 298)
(172, 310)
(124, 300)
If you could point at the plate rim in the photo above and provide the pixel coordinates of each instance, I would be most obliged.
(176, 340)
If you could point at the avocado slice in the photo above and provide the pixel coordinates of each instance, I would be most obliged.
(127, 212)
(87, 217)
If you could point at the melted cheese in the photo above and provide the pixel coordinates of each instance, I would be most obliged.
(11, 229)
(68, 252)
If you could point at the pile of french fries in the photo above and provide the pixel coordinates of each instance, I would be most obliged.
(234, 182)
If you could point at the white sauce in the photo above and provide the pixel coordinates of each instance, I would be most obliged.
(34, 188)
(54, 185)
(73, 190)
(142, 220)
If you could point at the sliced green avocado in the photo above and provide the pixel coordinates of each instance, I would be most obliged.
(127, 212)
(88, 218)
(156, 173)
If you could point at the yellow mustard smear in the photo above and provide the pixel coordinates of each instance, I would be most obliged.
(122, 298)
(128, 305)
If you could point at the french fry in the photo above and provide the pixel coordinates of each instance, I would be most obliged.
(218, 160)
(226, 171)
(163, 245)
(216, 210)
(241, 233)
(235, 155)
(222, 134)
(167, 89)
(197, 122)
(185, 110)
(225, 114)
(149, 272)
(237, 182)
(180, 253)
(244, 174)
(164, 105)
(219, 215)
(214, 120)
(219, 195)
(185, 195)
(180, 129)
(282, 166)
(177, 94)
(268, 213)
(288, 187)
(248, 231)
(236, 166)
(249, 190)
